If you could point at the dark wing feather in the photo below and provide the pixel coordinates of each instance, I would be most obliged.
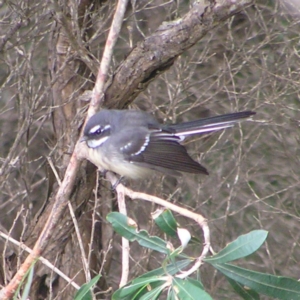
(228, 118)
(162, 151)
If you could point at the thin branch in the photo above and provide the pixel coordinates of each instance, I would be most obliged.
(125, 243)
(86, 56)
(83, 255)
(66, 187)
(94, 220)
(6, 246)
(182, 211)
(158, 52)
(137, 195)
(42, 259)
(106, 58)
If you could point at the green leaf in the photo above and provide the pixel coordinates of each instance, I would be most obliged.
(244, 292)
(84, 293)
(273, 286)
(137, 285)
(27, 287)
(196, 282)
(171, 295)
(149, 279)
(186, 289)
(122, 226)
(166, 222)
(28, 277)
(243, 246)
(171, 258)
(153, 294)
(170, 269)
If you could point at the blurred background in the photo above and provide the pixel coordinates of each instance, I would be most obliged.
(251, 62)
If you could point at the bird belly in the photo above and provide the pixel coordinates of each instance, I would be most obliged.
(115, 163)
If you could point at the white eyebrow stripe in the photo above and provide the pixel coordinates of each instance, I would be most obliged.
(94, 129)
(96, 143)
(97, 127)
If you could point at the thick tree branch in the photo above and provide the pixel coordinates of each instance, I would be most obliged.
(159, 51)
(67, 185)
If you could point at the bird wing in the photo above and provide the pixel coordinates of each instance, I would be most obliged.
(158, 149)
(210, 124)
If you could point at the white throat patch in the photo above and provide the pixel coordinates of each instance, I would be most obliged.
(96, 143)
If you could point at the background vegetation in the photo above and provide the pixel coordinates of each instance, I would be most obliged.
(49, 54)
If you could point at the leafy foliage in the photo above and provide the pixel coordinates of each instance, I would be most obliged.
(84, 293)
(248, 284)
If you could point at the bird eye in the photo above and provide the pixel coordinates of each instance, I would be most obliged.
(96, 130)
(99, 130)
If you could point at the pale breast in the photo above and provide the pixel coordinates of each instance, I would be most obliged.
(113, 162)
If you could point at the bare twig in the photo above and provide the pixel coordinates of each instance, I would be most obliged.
(121, 192)
(42, 259)
(125, 243)
(159, 50)
(67, 184)
(6, 244)
(91, 243)
(83, 255)
(182, 211)
(107, 54)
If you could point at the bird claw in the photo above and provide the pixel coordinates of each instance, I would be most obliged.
(114, 187)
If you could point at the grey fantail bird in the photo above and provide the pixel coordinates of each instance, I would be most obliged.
(131, 143)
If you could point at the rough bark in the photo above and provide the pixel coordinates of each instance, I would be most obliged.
(71, 73)
(151, 57)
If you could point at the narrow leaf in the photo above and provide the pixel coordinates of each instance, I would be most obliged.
(84, 292)
(135, 286)
(171, 295)
(27, 287)
(166, 222)
(153, 294)
(273, 286)
(188, 290)
(169, 269)
(243, 246)
(196, 282)
(149, 278)
(243, 291)
(121, 225)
